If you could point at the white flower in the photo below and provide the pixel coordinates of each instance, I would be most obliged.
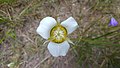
(57, 34)
(11, 65)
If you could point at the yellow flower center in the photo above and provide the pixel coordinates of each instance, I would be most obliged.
(58, 34)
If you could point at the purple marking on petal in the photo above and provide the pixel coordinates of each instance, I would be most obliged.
(113, 22)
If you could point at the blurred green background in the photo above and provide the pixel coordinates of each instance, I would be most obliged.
(97, 45)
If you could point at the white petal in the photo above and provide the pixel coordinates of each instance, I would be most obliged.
(45, 26)
(58, 49)
(70, 24)
(54, 49)
(64, 48)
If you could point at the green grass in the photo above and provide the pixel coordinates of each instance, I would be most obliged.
(97, 45)
(7, 1)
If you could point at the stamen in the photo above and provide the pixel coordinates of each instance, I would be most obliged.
(58, 33)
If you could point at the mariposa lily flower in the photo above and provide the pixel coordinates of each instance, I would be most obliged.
(113, 22)
(57, 33)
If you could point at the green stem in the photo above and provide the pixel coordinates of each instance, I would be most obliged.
(106, 34)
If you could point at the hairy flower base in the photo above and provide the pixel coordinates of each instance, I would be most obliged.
(58, 34)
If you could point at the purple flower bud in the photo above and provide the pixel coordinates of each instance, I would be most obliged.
(113, 22)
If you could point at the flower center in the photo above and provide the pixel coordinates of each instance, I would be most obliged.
(58, 34)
